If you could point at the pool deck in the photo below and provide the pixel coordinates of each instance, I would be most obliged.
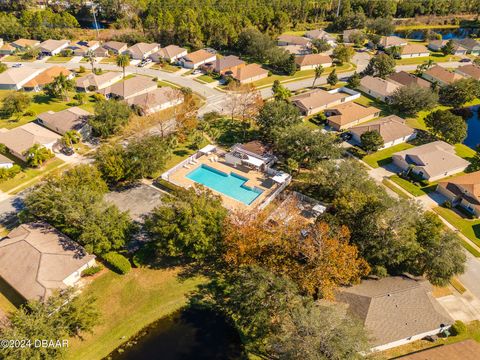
(255, 179)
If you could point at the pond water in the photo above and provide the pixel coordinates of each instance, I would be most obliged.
(187, 335)
(473, 129)
(90, 24)
(447, 34)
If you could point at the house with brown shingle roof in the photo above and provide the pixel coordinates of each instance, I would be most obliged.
(129, 88)
(432, 161)
(320, 34)
(441, 75)
(395, 310)
(170, 53)
(115, 47)
(391, 41)
(249, 73)
(437, 45)
(53, 47)
(227, 65)
(311, 61)
(392, 129)
(46, 77)
(20, 139)
(142, 51)
(312, 102)
(378, 88)
(463, 350)
(284, 40)
(73, 118)
(7, 49)
(198, 58)
(92, 82)
(349, 114)
(463, 191)
(156, 100)
(81, 48)
(406, 79)
(24, 44)
(36, 260)
(413, 51)
(470, 70)
(472, 45)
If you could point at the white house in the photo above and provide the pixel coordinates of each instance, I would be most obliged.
(15, 78)
(198, 58)
(53, 47)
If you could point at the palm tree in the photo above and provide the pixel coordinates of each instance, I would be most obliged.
(71, 137)
(60, 85)
(37, 155)
(318, 72)
(429, 63)
(90, 56)
(123, 61)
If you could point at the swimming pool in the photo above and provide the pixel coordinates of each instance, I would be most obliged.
(230, 185)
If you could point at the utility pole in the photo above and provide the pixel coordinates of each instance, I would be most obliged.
(94, 10)
(338, 7)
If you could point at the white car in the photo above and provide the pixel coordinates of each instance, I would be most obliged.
(17, 65)
(144, 62)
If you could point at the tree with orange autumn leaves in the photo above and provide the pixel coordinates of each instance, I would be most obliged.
(314, 257)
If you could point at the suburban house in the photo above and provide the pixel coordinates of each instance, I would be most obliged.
(296, 50)
(254, 153)
(20, 139)
(36, 260)
(413, 51)
(170, 53)
(227, 65)
(115, 47)
(5, 162)
(24, 44)
(53, 47)
(431, 161)
(405, 79)
(311, 61)
(81, 48)
(347, 33)
(321, 35)
(46, 77)
(463, 191)
(142, 51)
(100, 52)
(437, 45)
(378, 88)
(441, 75)
(470, 70)
(15, 78)
(197, 58)
(92, 82)
(129, 88)
(349, 114)
(284, 40)
(395, 310)
(463, 350)
(391, 41)
(317, 100)
(472, 45)
(392, 129)
(73, 118)
(156, 100)
(7, 49)
(249, 73)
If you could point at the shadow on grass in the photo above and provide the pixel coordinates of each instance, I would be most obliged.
(181, 152)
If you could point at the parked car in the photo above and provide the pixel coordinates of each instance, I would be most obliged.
(345, 136)
(144, 62)
(465, 60)
(40, 56)
(17, 65)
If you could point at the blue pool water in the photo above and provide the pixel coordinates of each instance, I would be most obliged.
(230, 185)
(473, 129)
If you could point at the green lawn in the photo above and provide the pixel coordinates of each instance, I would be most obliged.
(59, 59)
(165, 67)
(395, 189)
(41, 103)
(162, 83)
(464, 151)
(473, 332)
(468, 227)
(109, 60)
(412, 188)
(437, 57)
(181, 152)
(127, 304)
(29, 174)
(206, 78)
(383, 157)
(16, 58)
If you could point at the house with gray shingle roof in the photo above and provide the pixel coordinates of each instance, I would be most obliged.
(395, 310)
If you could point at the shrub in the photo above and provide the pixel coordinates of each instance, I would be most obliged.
(92, 270)
(9, 173)
(29, 113)
(458, 328)
(117, 262)
(81, 69)
(98, 97)
(447, 204)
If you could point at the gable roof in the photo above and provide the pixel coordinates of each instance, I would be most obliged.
(463, 350)
(349, 112)
(468, 43)
(414, 49)
(316, 98)
(35, 259)
(394, 308)
(115, 45)
(294, 40)
(171, 51)
(15, 76)
(319, 34)
(389, 41)
(249, 71)
(390, 128)
(155, 97)
(404, 78)
(22, 138)
(442, 74)
(313, 59)
(228, 62)
(52, 45)
(435, 158)
(469, 182)
(141, 48)
(23, 43)
(471, 70)
(379, 85)
(99, 81)
(130, 87)
(69, 119)
(442, 43)
(199, 56)
(47, 76)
